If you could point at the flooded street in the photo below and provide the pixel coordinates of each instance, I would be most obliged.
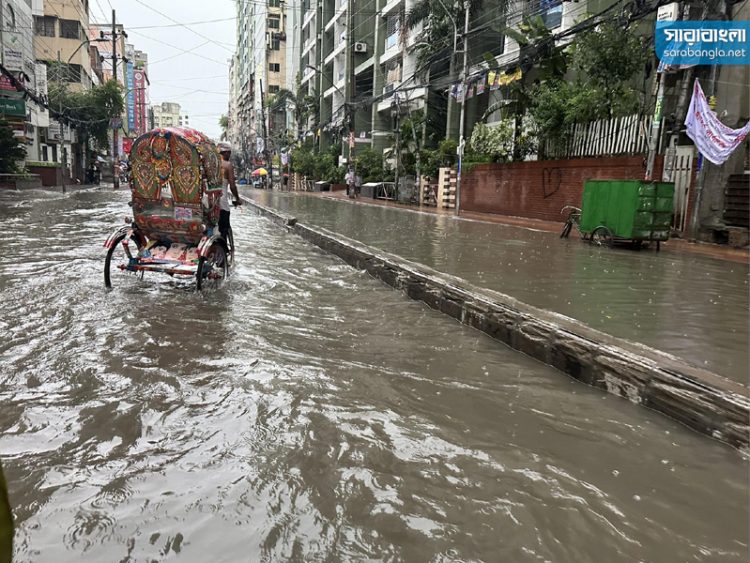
(691, 306)
(306, 412)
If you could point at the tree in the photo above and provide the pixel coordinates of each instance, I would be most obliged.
(10, 150)
(606, 60)
(89, 111)
(224, 124)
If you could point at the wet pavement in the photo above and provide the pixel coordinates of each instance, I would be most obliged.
(304, 411)
(694, 307)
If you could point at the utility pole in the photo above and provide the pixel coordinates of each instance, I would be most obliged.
(63, 154)
(462, 116)
(350, 84)
(115, 149)
(397, 115)
(265, 133)
(452, 68)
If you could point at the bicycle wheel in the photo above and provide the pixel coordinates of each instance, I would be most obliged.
(116, 257)
(601, 236)
(213, 269)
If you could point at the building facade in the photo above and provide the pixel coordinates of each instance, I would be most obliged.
(26, 118)
(168, 114)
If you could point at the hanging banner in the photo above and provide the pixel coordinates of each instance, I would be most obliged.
(508, 78)
(481, 83)
(713, 139)
(470, 91)
(491, 75)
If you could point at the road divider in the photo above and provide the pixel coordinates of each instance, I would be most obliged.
(700, 399)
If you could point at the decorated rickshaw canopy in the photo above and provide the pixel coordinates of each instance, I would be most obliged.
(185, 159)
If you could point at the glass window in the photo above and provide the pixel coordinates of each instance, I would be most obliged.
(549, 10)
(274, 3)
(275, 43)
(274, 67)
(70, 29)
(274, 22)
(44, 26)
(273, 89)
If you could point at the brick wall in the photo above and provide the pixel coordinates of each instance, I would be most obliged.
(541, 189)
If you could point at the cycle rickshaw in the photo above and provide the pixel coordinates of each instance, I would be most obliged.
(176, 186)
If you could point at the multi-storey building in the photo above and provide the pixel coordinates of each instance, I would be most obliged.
(354, 63)
(168, 114)
(26, 118)
(262, 68)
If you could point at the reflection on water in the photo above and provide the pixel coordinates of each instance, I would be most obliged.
(691, 306)
(307, 412)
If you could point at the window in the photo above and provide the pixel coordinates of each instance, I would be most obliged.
(10, 18)
(70, 29)
(275, 43)
(273, 89)
(391, 30)
(274, 67)
(274, 22)
(549, 10)
(274, 3)
(44, 26)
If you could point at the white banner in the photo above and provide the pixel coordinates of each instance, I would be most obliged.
(713, 139)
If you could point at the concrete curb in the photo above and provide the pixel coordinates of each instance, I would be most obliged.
(702, 400)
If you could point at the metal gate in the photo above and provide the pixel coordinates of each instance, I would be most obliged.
(682, 176)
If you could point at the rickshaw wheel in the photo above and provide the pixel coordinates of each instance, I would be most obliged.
(116, 247)
(212, 269)
(601, 236)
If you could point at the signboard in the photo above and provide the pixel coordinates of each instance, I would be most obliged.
(12, 59)
(141, 116)
(127, 145)
(668, 12)
(6, 84)
(130, 85)
(16, 108)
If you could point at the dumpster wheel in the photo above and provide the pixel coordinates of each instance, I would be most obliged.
(601, 236)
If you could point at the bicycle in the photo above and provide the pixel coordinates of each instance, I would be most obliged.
(573, 219)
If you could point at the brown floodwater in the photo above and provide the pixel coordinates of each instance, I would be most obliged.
(306, 412)
(694, 307)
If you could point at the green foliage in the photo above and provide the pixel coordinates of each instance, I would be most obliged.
(303, 162)
(10, 149)
(90, 109)
(224, 122)
(447, 150)
(496, 142)
(606, 60)
(370, 165)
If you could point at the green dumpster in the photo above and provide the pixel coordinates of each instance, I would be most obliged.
(626, 210)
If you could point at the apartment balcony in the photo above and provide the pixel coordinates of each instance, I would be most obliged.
(336, 51)
(392, 49)
(308, 46)
(340, 12)
(414, 97)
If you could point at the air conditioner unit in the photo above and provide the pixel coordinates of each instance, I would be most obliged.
(388, 88)
(360, 47)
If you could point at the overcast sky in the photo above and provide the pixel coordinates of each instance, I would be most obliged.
(198, 84)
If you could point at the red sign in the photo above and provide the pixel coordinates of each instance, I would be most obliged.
(127, 144)
(141, 110)
(6, 84)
